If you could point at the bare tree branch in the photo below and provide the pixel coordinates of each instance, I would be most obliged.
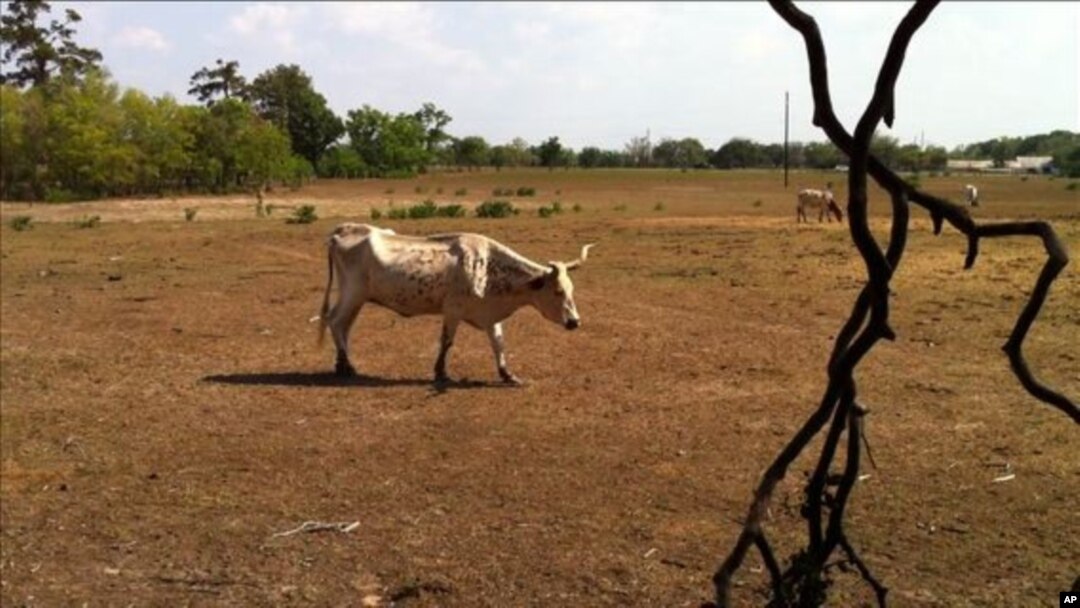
(805, 580)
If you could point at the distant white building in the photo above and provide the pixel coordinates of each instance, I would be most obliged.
(1021, 164)
(1031, 164)
(968, 165)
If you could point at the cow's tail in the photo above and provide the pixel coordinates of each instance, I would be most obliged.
(331, 245)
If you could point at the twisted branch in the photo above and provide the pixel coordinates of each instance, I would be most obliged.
(804, 581)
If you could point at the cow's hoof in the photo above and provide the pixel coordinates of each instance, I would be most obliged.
(344, 370)
(442, 381)
(511, 380)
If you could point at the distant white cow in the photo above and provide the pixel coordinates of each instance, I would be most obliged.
(971, 195)
(463, 277)
(820, 200)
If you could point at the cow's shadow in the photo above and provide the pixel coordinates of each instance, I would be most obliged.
(330, 379)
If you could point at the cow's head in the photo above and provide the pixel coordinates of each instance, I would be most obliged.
(553, 292)
(835, 210)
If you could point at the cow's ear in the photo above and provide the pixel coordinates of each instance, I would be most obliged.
(538, 283)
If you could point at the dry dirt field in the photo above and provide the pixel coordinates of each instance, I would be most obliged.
(165, 410)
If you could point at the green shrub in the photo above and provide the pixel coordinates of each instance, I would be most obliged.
(376, 214)
(526, 191)
(555, 208)
(92, 221)
(398, 213)
(496, 209)
(757, 203)
(304, 214)
(620, 207)
(659, 206)
(60, 195)
(460, 192)
(269, 209)
(420, 189)
(388, 191)
(451, 211)
(189, 213)
(20, 223)
(577, 208)
(1072, 186)
(423, 210)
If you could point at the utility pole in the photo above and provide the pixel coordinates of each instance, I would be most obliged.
(785, 138)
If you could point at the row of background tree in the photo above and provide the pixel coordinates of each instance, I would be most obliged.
(67, 131)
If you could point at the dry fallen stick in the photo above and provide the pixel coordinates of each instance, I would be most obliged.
(319, 526)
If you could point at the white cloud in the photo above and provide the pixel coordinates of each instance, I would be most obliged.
(620, 26)
(273, 22)
(409, 25)
(141, 38)
(394, 20)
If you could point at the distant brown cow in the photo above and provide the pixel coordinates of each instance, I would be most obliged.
(822, 201)
(971, 195)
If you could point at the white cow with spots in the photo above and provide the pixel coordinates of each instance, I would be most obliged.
(820, 200)
(463, 277)
(971, 195)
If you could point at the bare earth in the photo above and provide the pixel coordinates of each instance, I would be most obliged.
(165, 411)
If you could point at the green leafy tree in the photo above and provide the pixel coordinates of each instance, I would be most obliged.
(472, 151)
(550, 152)
(909, 158)
(1068, 162)
(285, 96)
(341, 161)
(225, 81)
(684, 153)
(159, 133)
(822, 155)
(17, 175)
(388, 145)
(934, 158)
(773, 155)
(236, 149)
(86, 152)
(365, 127)
(433, 121)
(886, 149)
(567, 158)
(403, 145)
(738, 153)
(590, 157)
(514, 154)
(32, 54)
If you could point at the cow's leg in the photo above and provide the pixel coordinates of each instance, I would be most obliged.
(342, 317)
(449, 328)
(495, 335)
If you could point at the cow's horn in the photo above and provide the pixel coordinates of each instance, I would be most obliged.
(584, 256)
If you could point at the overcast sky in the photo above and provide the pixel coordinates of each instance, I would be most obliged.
(599, 74)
